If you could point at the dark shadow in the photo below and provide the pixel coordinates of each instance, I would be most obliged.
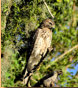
(28, 49)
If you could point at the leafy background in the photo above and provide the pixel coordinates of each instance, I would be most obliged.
(19, 19)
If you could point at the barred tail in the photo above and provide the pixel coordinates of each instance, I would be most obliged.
(25, 80)
(26, 77)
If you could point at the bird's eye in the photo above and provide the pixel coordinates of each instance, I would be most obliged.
(50, 23)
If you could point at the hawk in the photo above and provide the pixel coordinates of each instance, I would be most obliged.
(42, 43)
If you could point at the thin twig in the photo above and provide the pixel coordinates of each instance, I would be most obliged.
(48, 8)
(61, 56)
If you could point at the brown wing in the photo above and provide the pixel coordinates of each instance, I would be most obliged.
(42, 42)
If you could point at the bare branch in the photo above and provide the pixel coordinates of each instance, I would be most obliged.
(48, 8)
(61, 56)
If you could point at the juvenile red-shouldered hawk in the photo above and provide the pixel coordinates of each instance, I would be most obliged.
(42, 43)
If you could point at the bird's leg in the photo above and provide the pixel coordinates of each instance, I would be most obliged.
(50, 49)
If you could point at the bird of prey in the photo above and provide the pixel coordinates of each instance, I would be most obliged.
(42, 43)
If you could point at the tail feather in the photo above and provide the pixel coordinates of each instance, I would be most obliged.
(25, 80)
(26, 77)
(26, 72)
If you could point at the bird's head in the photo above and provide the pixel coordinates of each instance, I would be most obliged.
(60, 72)
(49, 23)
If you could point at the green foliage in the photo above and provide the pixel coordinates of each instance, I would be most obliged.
(25, 17)
(12, 65)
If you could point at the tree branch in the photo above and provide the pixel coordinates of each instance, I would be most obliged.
(48, 9)
(61, 56)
